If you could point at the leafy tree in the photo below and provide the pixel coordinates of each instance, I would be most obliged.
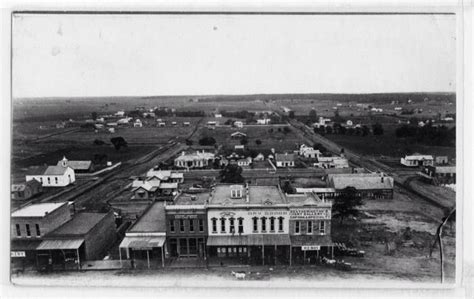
(189, 142)
(365, 130)
(291, 114)
(271, 130)
(94, 115)
(347, 204)
(286, 130)
(207, 141)
(98, 142)
(287, 188)
(258, 142)
(244, 141)
(337, 117)
(231, 174)
(377, 129)
(118, 142)
(329, 130)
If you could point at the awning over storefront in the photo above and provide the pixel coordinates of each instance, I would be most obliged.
(60, 244)
(143, 243)
(311, 240)
(227, 241)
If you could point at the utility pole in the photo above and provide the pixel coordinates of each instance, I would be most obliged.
(438, 240)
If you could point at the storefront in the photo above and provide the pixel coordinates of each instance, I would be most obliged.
(144, 251)
(65, 254)
(309, 249)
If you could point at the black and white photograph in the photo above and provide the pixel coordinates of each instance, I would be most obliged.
(194, 148)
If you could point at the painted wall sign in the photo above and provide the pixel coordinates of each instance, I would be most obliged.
(185, 216)
(303, 214)
(309, 248)
(268, 213)
(18, 254)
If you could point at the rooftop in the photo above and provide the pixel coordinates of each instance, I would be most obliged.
(153, 220)
(37, 210)
(79, 225)
(77, 165)
(195, 156)
(22, 186)
(191, 199)
(258, 195)
(285, 157)
(360, 181)
(55, 170)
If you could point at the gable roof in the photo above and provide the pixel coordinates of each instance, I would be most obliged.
(55, 170)
(37, 170)
(77, 165)
(284, 157)
(238, 134)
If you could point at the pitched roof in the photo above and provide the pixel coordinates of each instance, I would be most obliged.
(55, 170)
(37, 210)
(445, 169)
(153, 220)
(78, 165)
(360, 181)
(79, 225)
(22, 187)
(419, 157)
(238, 134)
(285, 157)
(37, 170)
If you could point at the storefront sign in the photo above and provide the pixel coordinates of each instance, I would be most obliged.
(268, 213)
(309, 214)
(18, 254)
(308, 248)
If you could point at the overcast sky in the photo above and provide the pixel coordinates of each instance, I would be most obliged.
(115, 55)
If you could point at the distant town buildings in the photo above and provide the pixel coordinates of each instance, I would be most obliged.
(416, 160)
(194, 160)
(60, 175)
(368, 185)
(285, 160)
(26, 190)
(308, 152)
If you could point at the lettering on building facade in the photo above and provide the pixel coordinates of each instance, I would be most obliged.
(309, 214)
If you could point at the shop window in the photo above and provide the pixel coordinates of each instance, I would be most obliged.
(322, 228)
(223, 225)
(255, 224)
(241, 225)
(232, 225)
(28, 232)
(297, 227)
(201, 225)
(264, 224)
(38, 232)
(18, 231)
(280, 224)
(310, 227)
(272, 224)
(172, 227)
(214, 225)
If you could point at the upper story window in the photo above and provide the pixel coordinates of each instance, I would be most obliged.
(18, 230)
(241, 225)
(201, 225)
(222, 225)
(214, 225)
(56, 180)
(297, 227)
(280, 224)
(264, 224)
(172, 227)
(38, 232)
(272, 224)
(310, 227)
(322, 227)
(181, 225)
(255, 224)
(232, 225)
(49, 180)
(28, 232)
(191, 225)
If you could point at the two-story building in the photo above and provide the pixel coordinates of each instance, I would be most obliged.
(28, 227)
(248, 224)
(186, 225)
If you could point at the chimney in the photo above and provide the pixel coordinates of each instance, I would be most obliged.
(247, 199)
(182, 153)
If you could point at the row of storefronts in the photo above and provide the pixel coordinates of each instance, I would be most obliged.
(233, 224)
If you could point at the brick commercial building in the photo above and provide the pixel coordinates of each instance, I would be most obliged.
(29, 225)
(186, 228)
(87, 236)
(261, 225)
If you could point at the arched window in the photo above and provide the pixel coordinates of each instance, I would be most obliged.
(222, 225)
(56, 180)
(280, 224)
(232, 224)
(264, 224)
(49, 181)
(272, 224)
(255, 224)
(241, 225)
(214, 225)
